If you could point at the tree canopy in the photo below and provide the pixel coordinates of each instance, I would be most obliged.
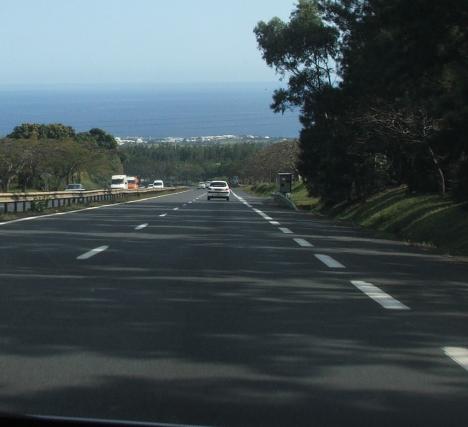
(382, 87)
(48, 156)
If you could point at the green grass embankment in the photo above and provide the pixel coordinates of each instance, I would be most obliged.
(261, 189)
(428, 219)
(298, 195)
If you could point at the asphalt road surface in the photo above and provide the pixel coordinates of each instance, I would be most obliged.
(184, 311)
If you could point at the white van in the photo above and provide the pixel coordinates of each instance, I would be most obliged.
(158, 183)
(119, 182)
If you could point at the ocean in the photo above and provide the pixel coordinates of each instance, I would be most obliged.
(151, 111)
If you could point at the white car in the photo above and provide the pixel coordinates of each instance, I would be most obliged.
(158, 183)
(201, 185)
(218, 190)
(150, 185)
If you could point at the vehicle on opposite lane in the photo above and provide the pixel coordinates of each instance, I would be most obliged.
(75, 187)
(133, 182)
(201, 185)
(119, 182)
(218, 190)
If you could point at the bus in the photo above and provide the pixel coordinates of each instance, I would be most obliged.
(119, 182)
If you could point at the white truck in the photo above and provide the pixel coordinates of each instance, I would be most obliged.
(119, 182)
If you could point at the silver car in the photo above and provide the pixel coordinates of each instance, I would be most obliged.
(75, 187)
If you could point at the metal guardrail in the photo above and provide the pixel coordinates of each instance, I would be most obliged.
(284, 200)
(23, 202)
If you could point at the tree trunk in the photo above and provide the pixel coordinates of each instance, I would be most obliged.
(439, 170)
(7, 185)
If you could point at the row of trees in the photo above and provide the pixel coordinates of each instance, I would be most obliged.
(47, 157)
(382, 86)
(266, 163)
(187, 162)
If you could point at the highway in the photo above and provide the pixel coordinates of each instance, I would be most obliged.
(239, 313)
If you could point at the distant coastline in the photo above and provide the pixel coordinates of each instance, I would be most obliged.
(177, 111)
(200, 140)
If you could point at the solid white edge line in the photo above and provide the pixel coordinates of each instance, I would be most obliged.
(263, 214)
(30, 218)
(379, 296)
(329, 261)
(285, 230)
(141, 226)
(92, 252)
(458, 354)
(304, 243)
(110, 421)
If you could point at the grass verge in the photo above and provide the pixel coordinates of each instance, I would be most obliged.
(426, 219)
(299, 194)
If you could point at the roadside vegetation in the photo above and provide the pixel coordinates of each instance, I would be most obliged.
(187, 162)
(430, 219)
(47, 157)
(299, 194)
(251, 162)
(383, 101)
(384, 111)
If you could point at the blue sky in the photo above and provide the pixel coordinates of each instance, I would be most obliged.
(57, 42)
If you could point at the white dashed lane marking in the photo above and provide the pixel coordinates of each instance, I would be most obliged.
(458, 355)
(263, 215)
(329, 261)
(285, 230)
(92, 252)
(304, 243)
(163, 214)
(141, 226)
(274, 223)
(379, 296)
(175, 209)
